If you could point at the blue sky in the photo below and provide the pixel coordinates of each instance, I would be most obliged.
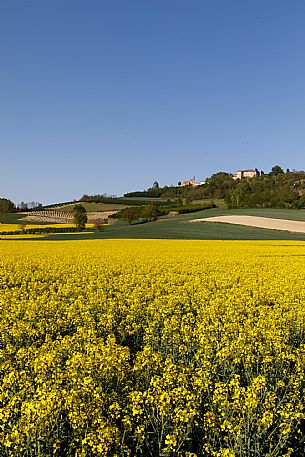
(107, 96)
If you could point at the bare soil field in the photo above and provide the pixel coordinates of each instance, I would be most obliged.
(261, 222)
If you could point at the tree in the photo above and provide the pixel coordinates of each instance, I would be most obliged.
(238, 197)
(99, 224)
(33, 205)
(6, 205)
(130, 214)
(23, 206)
(277, 170)
(150, 212)
(80, 217)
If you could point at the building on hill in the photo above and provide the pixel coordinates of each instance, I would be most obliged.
(241, 174)
(191, 183)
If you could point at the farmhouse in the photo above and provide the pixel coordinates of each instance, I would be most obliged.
(240, 174)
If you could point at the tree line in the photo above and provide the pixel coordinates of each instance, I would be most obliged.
(277, 189)
(152, 211)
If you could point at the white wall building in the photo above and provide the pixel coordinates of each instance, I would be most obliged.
(240, 174)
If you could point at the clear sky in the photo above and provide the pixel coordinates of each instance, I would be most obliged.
(107, 96)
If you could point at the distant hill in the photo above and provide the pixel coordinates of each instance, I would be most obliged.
(273, 190)
(277, 189)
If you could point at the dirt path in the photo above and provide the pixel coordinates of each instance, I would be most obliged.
(261, 222)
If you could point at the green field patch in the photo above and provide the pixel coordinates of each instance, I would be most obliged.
(179, 227)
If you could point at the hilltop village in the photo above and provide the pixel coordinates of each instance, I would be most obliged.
(240, 174)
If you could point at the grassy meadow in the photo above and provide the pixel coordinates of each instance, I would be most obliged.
(11, 218)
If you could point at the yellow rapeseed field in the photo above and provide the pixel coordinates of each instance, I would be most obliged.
(152, 348)
(14, 227)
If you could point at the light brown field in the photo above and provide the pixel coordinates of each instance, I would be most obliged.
(55, 216)
(261, 222)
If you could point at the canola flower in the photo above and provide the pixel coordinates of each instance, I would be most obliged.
(24, 237)
(14, 227)
(152, 348)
